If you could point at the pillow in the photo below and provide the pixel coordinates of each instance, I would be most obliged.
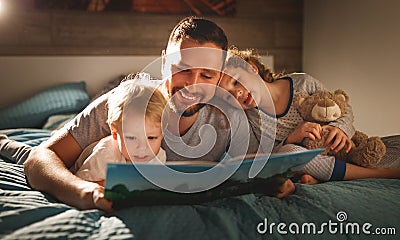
(33, 112)
(56, 122)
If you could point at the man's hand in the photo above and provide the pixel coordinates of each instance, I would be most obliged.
(305, 129)
(339, 138)
(92, 195)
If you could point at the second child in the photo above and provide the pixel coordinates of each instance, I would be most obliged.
(252, 86)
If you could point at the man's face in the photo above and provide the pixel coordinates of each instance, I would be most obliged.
(192, 71)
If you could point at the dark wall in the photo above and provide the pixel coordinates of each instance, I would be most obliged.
(274, 27)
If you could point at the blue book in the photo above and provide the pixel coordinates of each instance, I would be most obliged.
(192, 182)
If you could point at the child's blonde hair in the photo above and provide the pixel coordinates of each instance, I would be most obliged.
(250, 56)
(141, 94)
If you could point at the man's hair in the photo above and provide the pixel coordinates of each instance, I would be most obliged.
(200, 30)
(135, 93)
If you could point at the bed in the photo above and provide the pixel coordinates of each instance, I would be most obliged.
(335, 210)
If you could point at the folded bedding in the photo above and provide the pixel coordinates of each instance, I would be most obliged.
(29, 214)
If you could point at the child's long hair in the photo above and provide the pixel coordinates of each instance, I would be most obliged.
(235, 57)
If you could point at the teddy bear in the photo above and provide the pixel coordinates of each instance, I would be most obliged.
(324, 107)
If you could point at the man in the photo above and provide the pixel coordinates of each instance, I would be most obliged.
(191, 82)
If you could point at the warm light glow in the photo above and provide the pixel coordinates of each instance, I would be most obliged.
(1, 6)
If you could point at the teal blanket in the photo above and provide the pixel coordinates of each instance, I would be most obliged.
(333, 210)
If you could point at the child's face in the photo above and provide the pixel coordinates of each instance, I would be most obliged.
(141, 140)
(243, 86)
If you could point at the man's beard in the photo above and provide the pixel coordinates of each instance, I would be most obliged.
(192, 110)
(188, 112)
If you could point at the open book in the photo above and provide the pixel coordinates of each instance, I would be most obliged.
(200, 181)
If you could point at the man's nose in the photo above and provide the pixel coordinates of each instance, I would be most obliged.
(193, 78)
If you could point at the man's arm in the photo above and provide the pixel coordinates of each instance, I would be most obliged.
(47, 170)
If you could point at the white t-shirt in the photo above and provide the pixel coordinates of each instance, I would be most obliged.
(92, 163)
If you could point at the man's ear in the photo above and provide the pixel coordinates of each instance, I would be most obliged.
(163, 59)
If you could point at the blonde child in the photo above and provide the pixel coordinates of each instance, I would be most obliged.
(134, 117)
(252, 86)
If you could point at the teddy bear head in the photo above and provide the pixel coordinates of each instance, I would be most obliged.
(321, 107)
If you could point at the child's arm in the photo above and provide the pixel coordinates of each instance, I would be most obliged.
(336, 137)
(343, 127)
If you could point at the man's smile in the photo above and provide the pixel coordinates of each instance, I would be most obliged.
(185, 97)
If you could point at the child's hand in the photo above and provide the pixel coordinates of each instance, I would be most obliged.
(305, 129)
(340, 139)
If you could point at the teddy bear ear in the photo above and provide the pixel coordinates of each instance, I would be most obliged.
(342, 95)
(299, 99)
